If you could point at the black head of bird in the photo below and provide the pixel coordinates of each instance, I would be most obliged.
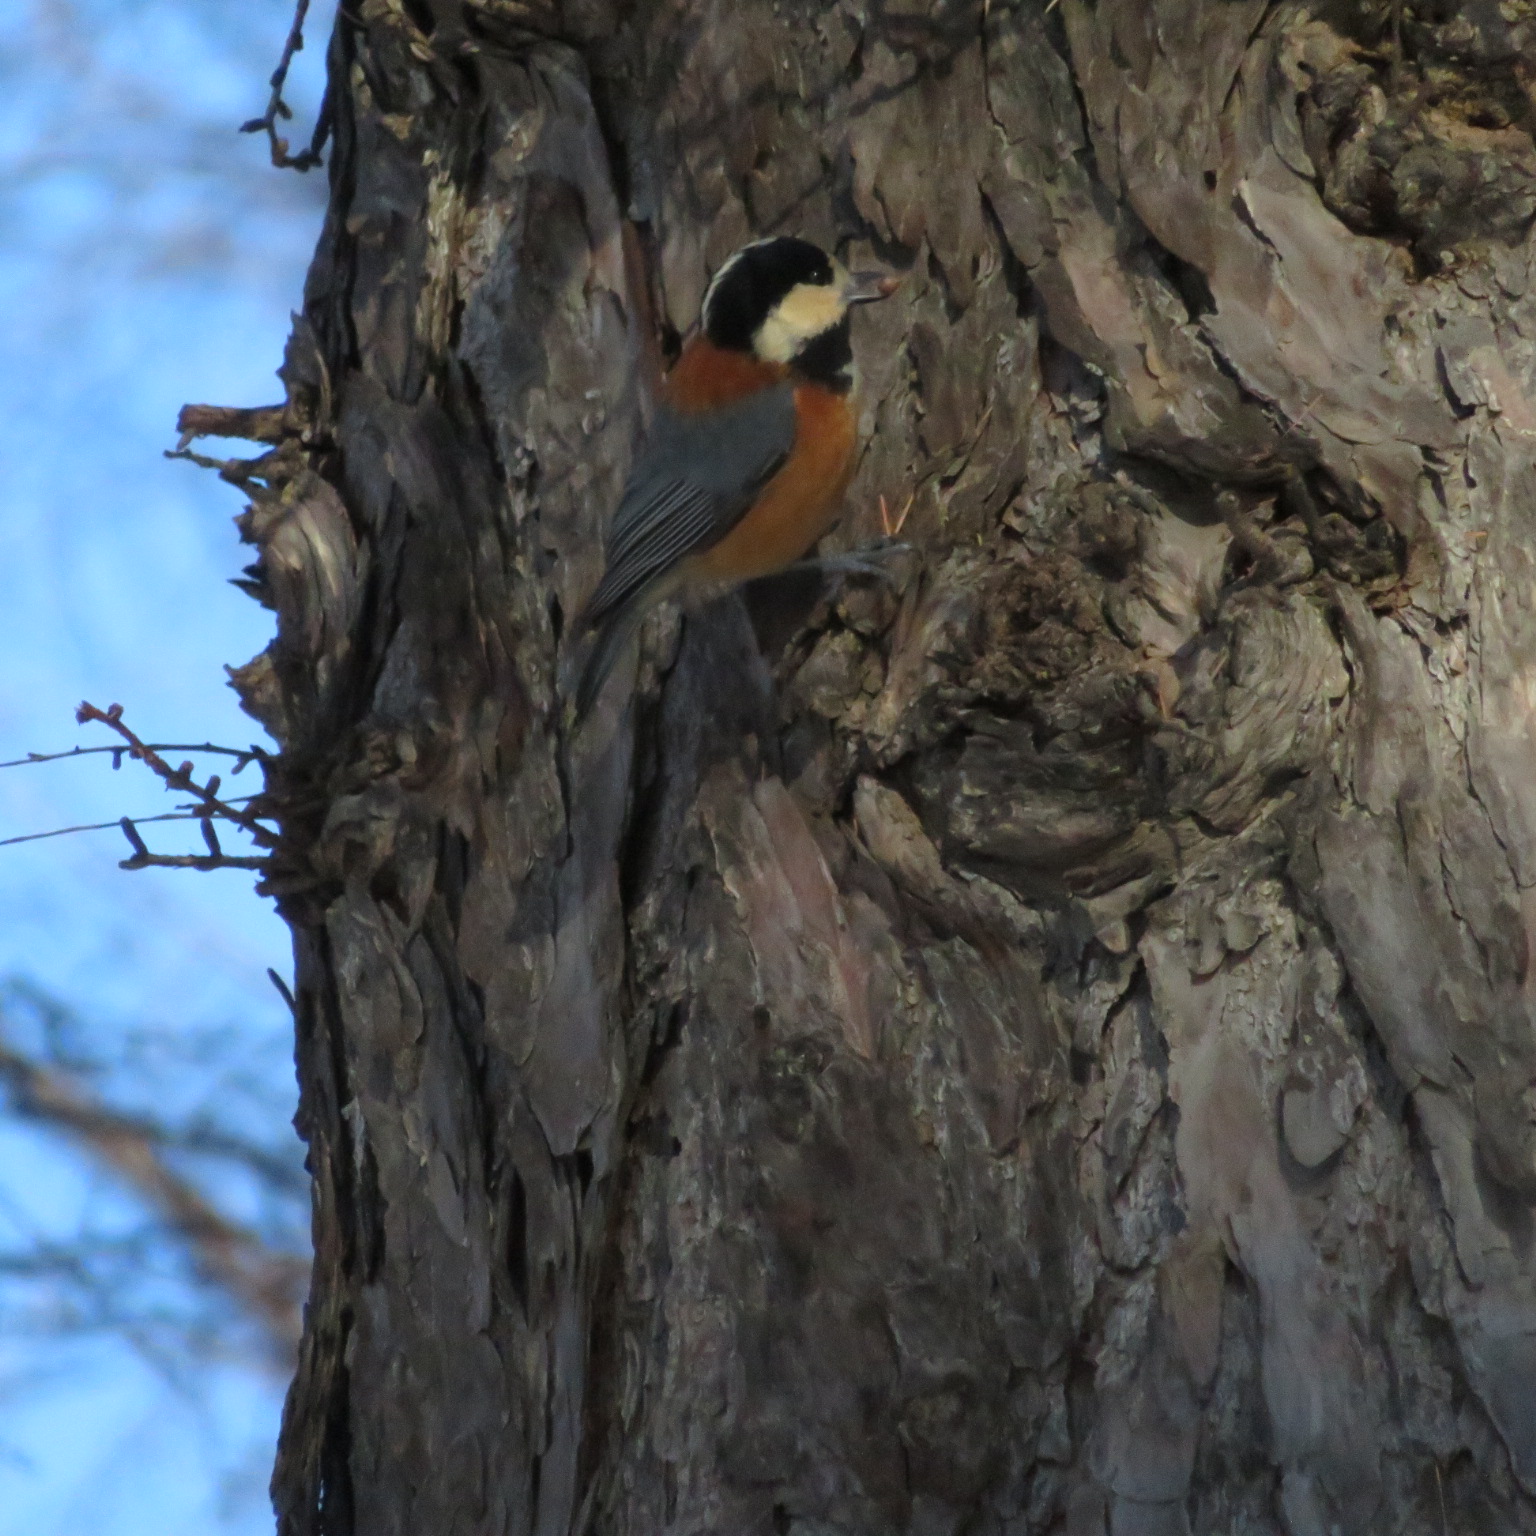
(782, 300)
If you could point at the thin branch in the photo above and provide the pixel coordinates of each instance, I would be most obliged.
(243, 756)
(107, 826)
(237, 472)
(202, 861)
(215, 858)
(892, 527)
(206, 805)
(277, 108)
(283, 988)
(251, 424)
(179, 778)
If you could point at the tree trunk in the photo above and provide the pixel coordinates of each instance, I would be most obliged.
(1041, 1045)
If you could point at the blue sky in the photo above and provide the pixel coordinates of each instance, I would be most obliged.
(149, 256)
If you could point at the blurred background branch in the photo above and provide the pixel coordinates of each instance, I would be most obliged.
(196, 1198)
(264, 1281)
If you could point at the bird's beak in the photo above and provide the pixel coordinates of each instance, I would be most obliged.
(866, 287)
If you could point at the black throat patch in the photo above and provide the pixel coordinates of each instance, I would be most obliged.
(827, 359)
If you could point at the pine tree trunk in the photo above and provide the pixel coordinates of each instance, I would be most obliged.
(1044, 1044)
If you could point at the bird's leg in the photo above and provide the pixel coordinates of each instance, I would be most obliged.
(868, 560)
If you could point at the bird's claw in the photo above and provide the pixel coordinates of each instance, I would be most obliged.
(869, 560)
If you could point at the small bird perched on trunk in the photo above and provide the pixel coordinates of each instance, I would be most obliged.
(752, 447)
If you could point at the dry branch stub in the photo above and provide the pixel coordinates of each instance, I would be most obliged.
(1043, 1045)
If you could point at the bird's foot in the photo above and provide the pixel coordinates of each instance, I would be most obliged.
(867, 560)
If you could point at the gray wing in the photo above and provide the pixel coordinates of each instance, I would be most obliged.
(695, 479)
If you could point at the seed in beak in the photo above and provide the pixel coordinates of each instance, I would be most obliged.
(867, 287)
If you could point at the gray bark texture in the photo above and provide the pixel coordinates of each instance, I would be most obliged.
(1043, 1044)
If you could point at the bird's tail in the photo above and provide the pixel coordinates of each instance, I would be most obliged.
(613, 633)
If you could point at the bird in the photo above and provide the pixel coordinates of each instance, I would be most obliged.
(751, 448)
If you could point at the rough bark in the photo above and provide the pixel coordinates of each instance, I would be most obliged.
(1047, 1047)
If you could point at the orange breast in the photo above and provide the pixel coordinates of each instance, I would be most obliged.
(799, 504)
(706, 376)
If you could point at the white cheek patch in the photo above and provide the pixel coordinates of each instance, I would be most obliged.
(803, 313)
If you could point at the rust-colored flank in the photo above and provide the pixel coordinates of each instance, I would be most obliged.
(707, 376)
(800, 503)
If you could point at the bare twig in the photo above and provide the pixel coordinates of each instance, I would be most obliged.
(251, 424)
(243, 756)
(143, 859)
(890, 526)
(306, 159)
(206, 807)
(236, 472)
(283, 990)
(179, 778)
(105, 826)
